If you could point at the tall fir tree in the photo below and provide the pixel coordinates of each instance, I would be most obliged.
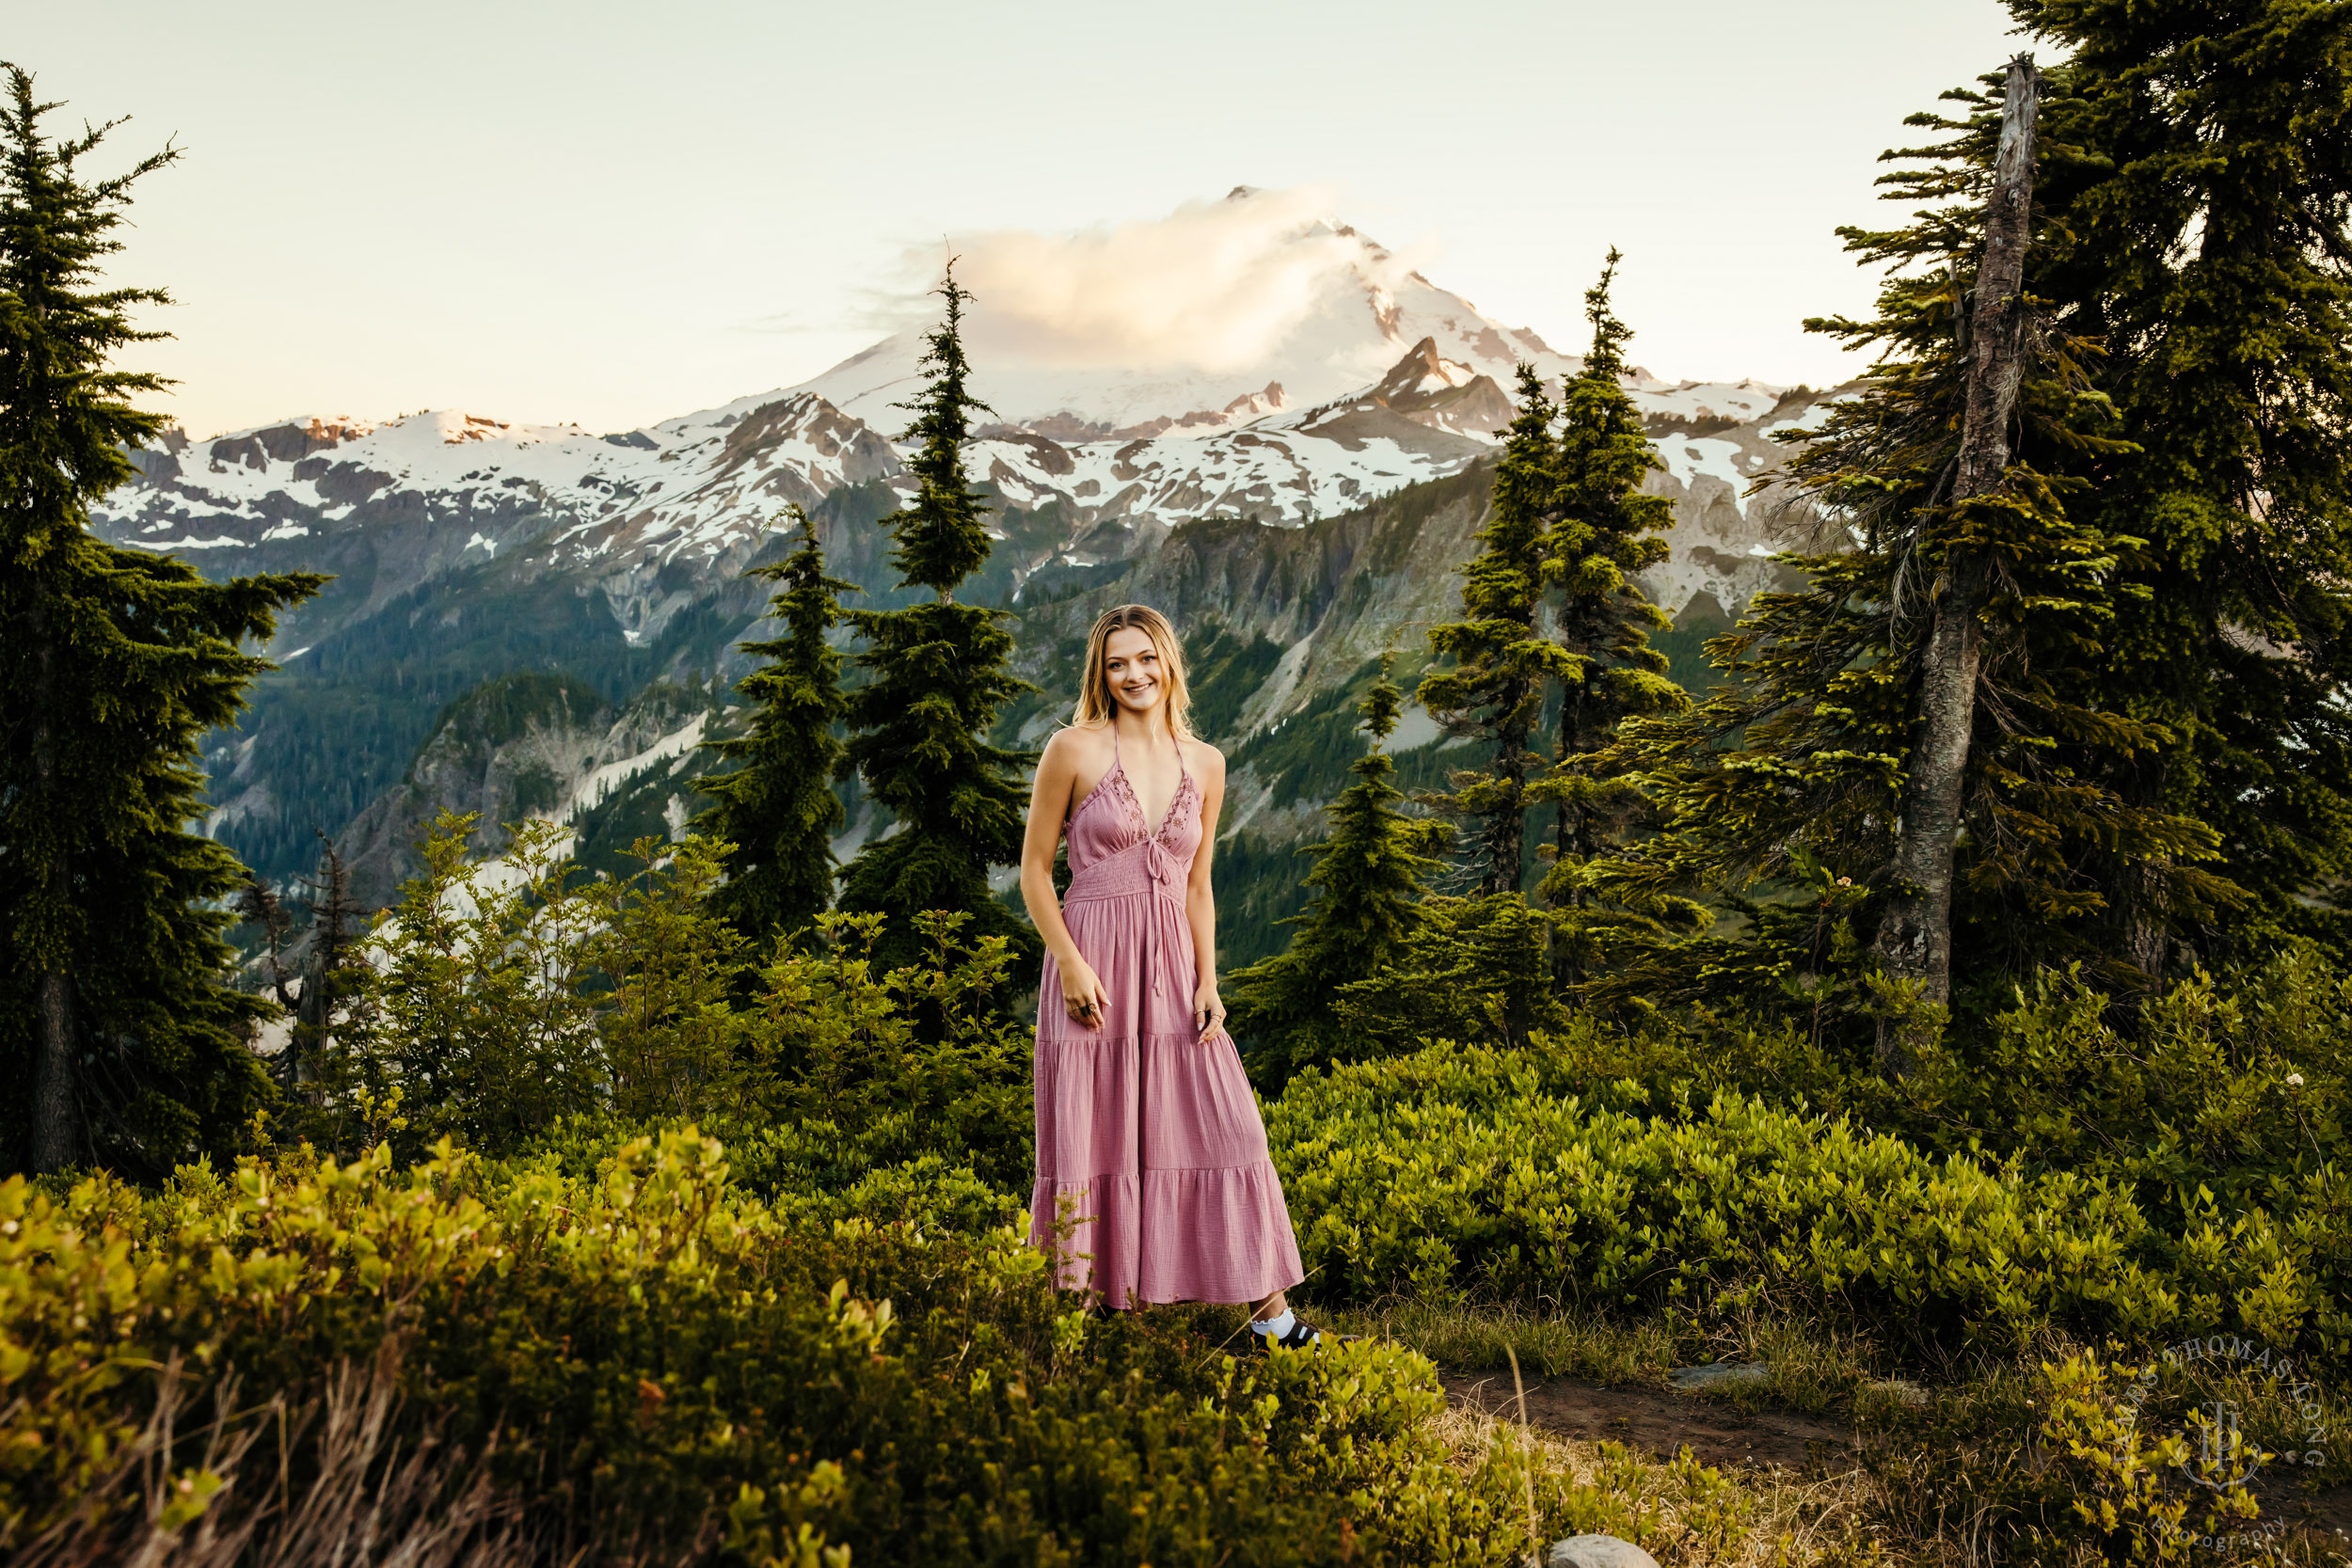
(1793, 768)
(1491, 691)
(113, 663)
(1369, 881)
(938, 678)
(1605, 529)
(2198, 233)
(777, 807)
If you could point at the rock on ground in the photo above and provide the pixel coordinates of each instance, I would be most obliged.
(1597, 1551)
(1721, 1374)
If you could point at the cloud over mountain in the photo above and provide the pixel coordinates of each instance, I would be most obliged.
(1213, 286)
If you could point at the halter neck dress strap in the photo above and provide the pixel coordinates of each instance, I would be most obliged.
(1184, 774)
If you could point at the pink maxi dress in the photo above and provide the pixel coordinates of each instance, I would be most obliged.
(1147, 1131)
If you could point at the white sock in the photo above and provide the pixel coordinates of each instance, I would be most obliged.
(1276, 1326)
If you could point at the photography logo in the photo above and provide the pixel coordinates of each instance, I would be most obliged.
(2215, 1450)
(2223, 1458)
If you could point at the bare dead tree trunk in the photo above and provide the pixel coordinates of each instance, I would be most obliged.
(333, 917)
(56, 1139)
(1915, 939)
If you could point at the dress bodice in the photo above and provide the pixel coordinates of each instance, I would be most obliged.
(1113, 850)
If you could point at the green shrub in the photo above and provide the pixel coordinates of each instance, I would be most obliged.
(2229, 1083)
(2112, 1478)
(479, 1017)
(519, 997)
(882, 1068)
(1473, 1169)
(650, 1359)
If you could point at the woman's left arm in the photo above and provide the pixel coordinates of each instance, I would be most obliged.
(1208, 1010)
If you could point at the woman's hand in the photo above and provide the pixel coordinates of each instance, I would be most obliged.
(1083, 997)
(1208, 1010)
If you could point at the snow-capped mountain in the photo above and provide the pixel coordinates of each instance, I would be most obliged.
(1385, 379)
(466, 547)
(1366, 309)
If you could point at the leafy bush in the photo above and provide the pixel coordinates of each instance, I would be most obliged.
(514, 998)
(2112, 1477)
(485, 1024)
(1522, 1173)
(2210, 1095)
(1471, 970)
(885, 1067)
(652, 1362)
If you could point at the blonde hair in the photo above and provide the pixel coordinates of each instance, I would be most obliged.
(1096, 705)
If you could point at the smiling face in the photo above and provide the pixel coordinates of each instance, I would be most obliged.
(1131, 665)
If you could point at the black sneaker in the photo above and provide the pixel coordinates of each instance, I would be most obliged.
(1300, 1335)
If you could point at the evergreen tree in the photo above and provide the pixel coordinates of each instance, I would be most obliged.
(778, 808)
(2199, 232)
(1493, 689)
(484, 1016)
(258, 904)
(1795, 767)
(1472, 971)
(938, 678)
(1914, 935)
(324, 984)
(1368, 881)
(113, 663)
(1604, 531)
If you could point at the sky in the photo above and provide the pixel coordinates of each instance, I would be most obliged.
(610, 214)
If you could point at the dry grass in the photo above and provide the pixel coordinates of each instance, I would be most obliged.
(1945, 1471)
(1684, 1513)
(338, 1481)
(328, 1483)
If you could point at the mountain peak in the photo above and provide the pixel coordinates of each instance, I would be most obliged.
(1173, 324)
(1422, 372)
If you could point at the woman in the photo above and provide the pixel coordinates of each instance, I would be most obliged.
(1150, 1157)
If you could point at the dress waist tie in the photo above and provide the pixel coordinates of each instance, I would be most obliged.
(1165, 871)
(1148, 868)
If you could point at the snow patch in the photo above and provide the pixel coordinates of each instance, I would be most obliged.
(1812, 418)
(1691, 457)
(594, 789)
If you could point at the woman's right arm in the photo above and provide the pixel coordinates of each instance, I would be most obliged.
(1049, 804)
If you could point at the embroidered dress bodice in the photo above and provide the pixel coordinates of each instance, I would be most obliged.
(1109, 826)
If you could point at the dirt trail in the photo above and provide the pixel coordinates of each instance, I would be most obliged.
(1657, 1422)
(1726, 1436)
